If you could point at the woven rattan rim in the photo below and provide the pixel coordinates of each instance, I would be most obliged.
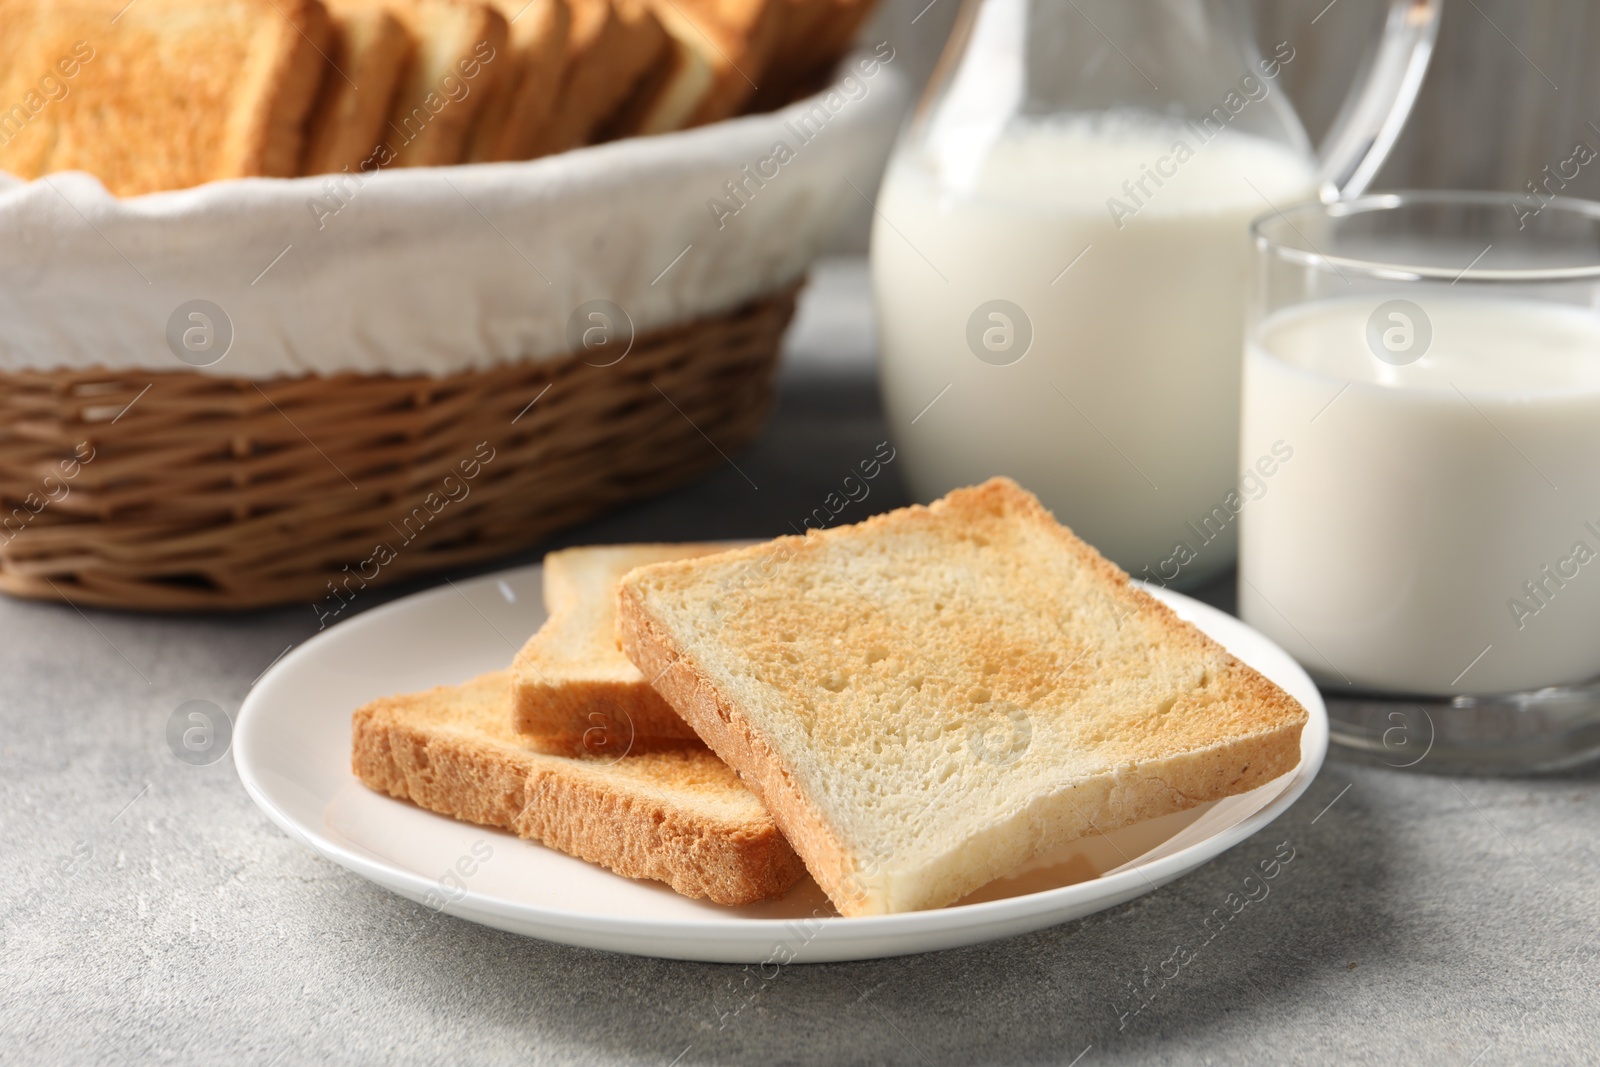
(183, 491)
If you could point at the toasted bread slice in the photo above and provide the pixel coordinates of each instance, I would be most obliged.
(572, 688)
(161, 94)
(737, 39)
(510, 122)
(930, 698)
(669, 96)
(615, 45)
(369, 53)
(678, 816)
(461, 55)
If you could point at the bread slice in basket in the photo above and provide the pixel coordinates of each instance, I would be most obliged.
(366, 59)
(930, 698)
(571, 685)
(159, 94)
(613, 47)
(524, 102)
(461, 55)
(737, 38)
(669, 95)
(678, 816)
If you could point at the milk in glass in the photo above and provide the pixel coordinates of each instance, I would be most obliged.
(1438, 528)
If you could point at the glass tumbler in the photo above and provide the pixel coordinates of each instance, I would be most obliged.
(1421, 445)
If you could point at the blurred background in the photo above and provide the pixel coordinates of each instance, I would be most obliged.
(1513, 86)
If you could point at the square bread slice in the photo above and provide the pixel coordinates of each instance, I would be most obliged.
(461, 54)
(160, 94)
(932, 697)
(614, 46)
(678, 816)
(572, 688)
(511, 120)
(366, 59)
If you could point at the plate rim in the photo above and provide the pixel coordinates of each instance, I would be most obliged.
(951, 920)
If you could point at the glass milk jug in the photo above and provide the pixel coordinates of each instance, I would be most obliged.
(1060, 252)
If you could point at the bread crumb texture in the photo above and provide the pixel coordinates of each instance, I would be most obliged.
(946, 691)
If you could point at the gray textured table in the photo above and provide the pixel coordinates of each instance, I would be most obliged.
(151, 914)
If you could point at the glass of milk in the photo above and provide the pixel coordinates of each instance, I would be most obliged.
(1422, 376)
(1061, 248)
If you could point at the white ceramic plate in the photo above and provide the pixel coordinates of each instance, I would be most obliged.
(292, 745)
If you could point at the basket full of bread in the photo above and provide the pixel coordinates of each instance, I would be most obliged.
(303, 296)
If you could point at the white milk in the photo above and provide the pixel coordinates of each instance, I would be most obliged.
(1438, 530)
(1123, 414)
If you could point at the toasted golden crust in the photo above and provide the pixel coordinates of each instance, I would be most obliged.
(613, 46)
(678, 816)
(162, 94)
(369, 52)
(572, 688)
(686, 685)
(928, 699)
(460, 56)
(523, 102)
(667, 97)
(738, 39)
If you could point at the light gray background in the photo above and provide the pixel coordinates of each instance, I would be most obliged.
(149, 913)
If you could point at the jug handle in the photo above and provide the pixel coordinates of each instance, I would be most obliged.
(1380, 100)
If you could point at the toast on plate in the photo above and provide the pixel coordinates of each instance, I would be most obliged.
(367, 56)
(678, 816)
(932, 697)
(160, 94)
(511, 120)
(572, 688)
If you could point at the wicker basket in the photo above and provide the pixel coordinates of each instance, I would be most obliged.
(182, 490)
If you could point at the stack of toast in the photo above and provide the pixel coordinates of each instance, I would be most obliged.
(907, 709)
(166, 94)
